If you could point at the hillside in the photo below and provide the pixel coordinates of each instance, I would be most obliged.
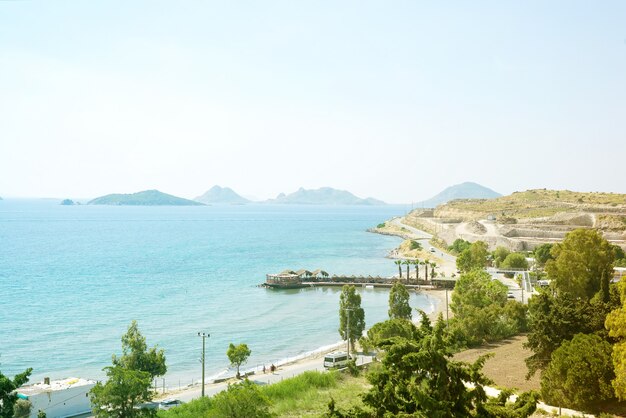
(467, 190)
(145, 198)
(221, 195)
(523, 220)
(323, 196)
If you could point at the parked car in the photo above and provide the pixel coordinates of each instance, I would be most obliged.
(169, 404)
(510, 295)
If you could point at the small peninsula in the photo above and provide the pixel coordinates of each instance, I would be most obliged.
(323, 196)
(221, 195)
(145, 198)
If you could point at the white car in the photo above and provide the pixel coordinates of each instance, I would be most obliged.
(432, 249)
(169, 404)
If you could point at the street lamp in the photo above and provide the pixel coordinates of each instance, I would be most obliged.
(204, 336)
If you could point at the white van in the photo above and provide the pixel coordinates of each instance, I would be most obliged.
(336, 359)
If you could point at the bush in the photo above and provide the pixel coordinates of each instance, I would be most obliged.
(381, 225)
(241, 400)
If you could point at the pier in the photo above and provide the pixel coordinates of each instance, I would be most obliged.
(290, 279)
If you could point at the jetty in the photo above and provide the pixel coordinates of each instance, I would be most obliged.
(290, 279)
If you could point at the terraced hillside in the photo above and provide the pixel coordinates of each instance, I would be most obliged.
(523, 220)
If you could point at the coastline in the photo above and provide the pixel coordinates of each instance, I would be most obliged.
(291, 366)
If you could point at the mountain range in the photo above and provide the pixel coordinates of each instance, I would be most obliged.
(467, 190)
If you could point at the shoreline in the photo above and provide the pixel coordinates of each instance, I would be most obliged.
(290, 366)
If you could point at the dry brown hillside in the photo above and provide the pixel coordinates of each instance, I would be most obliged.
(524, 220)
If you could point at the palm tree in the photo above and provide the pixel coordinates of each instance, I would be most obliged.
(432, 270)
(408, 265)
(399, 264)
(426, 263)
(416, 263)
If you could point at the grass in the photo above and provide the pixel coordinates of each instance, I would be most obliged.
(306, 395)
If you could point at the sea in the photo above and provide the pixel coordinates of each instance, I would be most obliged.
(72, 278)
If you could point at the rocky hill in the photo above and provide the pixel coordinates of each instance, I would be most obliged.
(323, 196)
(145, 198)
(221, 195)
(524, 220)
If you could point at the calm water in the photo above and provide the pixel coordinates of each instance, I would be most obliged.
(73, 277)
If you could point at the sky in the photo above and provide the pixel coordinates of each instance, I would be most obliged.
(394, 100)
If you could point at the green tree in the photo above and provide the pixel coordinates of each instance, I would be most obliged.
(381, 331)
(459, 245)
(8, 397)
(417, 378)
(425, 263)
(616, 324)
(554, 318)
(241, 400)
(499, 254)
(238, 355)
(129, 378)
(124, 390)
(482, 312)
(41, 414)
(542, 254)
(474, 257)
(22, 408)
(583, 264)
(579, 374)
(350, 304)
(515, 261)
(399, 264)
(399, 302)
(137, 356)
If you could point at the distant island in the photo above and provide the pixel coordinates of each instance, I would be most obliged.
(145, 198)
(323, 196)
(221, 195)
(67, 202)
(467, 190)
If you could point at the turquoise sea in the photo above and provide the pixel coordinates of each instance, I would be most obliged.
(73, 277)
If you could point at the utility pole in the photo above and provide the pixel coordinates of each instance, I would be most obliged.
(204, 336)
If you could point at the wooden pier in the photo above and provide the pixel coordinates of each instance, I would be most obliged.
(289, 279)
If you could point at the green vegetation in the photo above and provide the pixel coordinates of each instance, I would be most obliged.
(238, 355)
(381, 225)
(8, 397)
(241, 400)
(583, 264)
(574, 323)
(399, 302)
(350, 305)
(482, 312)
(417, 378)
(145, 198)
(474, 257)
(415, 245)
(514, 261)
(129, 379)
(305, 395)
(616, 325)
(543, 253)
(458, 246)
(579, 374)
(399, 264)
(499, 255)
(22, 408)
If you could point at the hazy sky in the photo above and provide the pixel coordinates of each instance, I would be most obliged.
(390, 99)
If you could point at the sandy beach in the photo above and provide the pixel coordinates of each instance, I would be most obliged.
(291, 368)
